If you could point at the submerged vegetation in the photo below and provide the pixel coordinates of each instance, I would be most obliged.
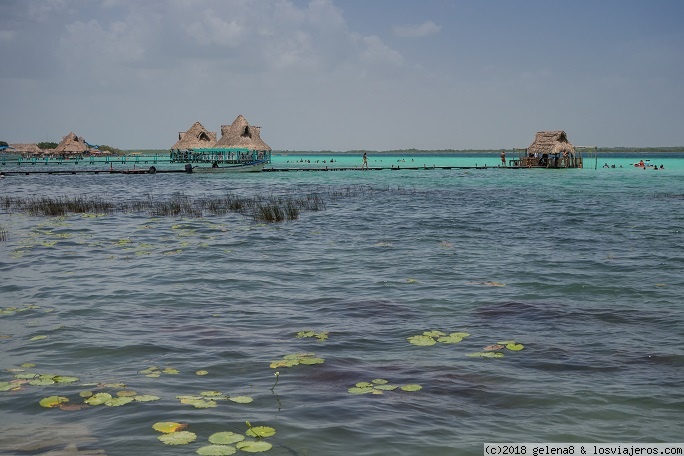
(259, 208)
(4, 235)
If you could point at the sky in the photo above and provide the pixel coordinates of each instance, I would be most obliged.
(344, 75)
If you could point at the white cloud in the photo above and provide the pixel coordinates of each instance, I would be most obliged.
(417, 30)
(378, 52)
(212, 29)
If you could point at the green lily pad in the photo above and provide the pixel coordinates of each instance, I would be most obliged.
(241, 399)
(310, 361)
(201, 372)
(252, 446)
(422, 340)
(260, 431)
(411, 388)
(386, 387)
(118, 401)
(449, 339)
(226, 438)
(211, 393)
(514, 347)
(378, 381)
(168, 426)
(170, 370)
(216, 450)
(178, 438)
(364, 384)
(98, 399)
(462, 335)
(53, 401)
(506, 342)
(126, 393)
(489, 354)
(361, 390)
(434, 334)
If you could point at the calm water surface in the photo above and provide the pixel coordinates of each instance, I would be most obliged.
(582, 267)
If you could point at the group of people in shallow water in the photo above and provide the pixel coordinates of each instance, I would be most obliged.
(641, 164)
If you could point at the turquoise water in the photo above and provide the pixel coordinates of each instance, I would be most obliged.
(582, 267)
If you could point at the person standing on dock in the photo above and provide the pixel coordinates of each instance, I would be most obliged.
(503, 158)
(365, 161)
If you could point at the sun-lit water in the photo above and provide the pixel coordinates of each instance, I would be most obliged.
(582, 267)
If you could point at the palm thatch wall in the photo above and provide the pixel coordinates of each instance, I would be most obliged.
(72, 144)
(197, 137)
(551, 142)
(241, 134)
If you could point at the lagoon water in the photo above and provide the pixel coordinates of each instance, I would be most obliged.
(582, 267)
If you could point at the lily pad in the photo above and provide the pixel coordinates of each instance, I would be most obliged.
(53, 401)
(514, 347)
(254, 446)
(168, 426)
(364, 385)
(361, 390)
(226, 438)
(386, 387)
(241, 399)
(422, 340)
(260, 431)
(201, 372)
(449, 339)
(489, 354)
(216, 450)
(411, 388)
(178, 438)
(378, 381)
(118, 401)
(98, 399)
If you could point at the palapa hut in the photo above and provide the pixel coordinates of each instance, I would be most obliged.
(197, 137)
(72, 145)
(240, 143)
(550, 149)
(240, 134)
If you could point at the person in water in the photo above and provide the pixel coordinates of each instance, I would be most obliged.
(365, 161)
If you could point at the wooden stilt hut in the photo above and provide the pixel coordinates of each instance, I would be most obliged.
(550, 149)
(241, 135)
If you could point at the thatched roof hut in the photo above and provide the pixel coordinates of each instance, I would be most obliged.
(241, 134)
(550, 142)
(72, 144)
(27, 149)
(197, 137)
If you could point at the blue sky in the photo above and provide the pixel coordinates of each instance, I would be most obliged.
(344, 74)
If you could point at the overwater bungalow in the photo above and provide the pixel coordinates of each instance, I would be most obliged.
(550, 149)
(240, 144)
(73, 145)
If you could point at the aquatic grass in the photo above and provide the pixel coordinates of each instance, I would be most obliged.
(4, 234)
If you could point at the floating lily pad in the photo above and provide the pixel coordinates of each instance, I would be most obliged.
(241, 399)
(295, 359)
(168, 426)
(98, 399)
(178, 438)
(321, 336)
(216, 450)
(411, 388)
(361, 390)
(201, 372)
(41, 337)
(260, 431)
(378, 381)
(118, 401)
(364, 384)
(253, 446)
(449, 339)
(422, 340)
(489, 354)
(434, 333)
(53, 401)
(211, 393)
(170, 370)
(126, 393)
(514, 347)
(386, 387)
(226, 438)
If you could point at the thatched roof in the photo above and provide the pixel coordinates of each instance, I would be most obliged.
(72, 144)
(30, 148)
(241, 134)
(551, 142)
(196, 137)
